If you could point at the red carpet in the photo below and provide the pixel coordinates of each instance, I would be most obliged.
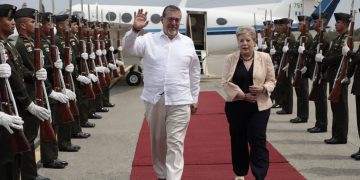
(207, 148)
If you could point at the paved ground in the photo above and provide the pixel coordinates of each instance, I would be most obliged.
(108, 153)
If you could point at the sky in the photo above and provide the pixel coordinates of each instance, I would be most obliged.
(60, 5)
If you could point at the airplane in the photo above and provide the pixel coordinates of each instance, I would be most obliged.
(221, 22)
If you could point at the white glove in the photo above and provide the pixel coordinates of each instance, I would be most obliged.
(93, 77)
(58, 64)
(256, 48)
(40, 112)
(345, 49)
(41, 74)
(98, 52)
(9, 122)
(264, 46)
(319, 57)
(119, 63)
(111, 49)
(5, 70)
(303, 70)
(59, 97)
(104, 52)
(92, 55)
(83, 79)
(286, 67)
(99, 69)
(272, 51)
(346, 80)
(106, 70)
(301, 49)
(112, 66)
(276, 66)
(85, 56)
(70, 94)
(120, 48)
(285, 49)
(69, 68)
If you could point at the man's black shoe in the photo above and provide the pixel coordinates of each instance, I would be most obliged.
(355, 154)
(80, 135)
(94, 116)
(102, 109)
(88, 125)
(41, 178)
(108, 104)
(316, 130)
(298, 120)
(334, 141)
(70, 148)
(65, 163)
(282, 112)
(54, 165)
(357, 157)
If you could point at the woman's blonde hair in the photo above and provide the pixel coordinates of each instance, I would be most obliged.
(246, 30)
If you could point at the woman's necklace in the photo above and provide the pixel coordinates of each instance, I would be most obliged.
(247, 59)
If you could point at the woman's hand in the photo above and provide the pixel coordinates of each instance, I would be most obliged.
(250, 97)
(254, 89)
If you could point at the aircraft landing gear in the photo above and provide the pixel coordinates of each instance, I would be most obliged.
(134, 77)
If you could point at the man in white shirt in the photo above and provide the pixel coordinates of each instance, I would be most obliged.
(171, 87)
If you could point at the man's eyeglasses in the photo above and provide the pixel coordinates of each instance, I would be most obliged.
(172, 19)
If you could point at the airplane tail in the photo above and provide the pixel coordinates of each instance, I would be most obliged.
(327, 7)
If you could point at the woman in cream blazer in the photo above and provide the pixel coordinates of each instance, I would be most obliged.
(248, 80)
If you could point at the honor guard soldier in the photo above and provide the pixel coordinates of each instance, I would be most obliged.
(333, 60)
(28, 110)
(82, 100)
(318, 92)
(267, 36)
(301, 73)
(106, 89)
(284, 40)
(49, 152)
(62, 25)
(354, 70)
(7, 121)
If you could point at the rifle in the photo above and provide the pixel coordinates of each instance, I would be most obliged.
(120, 55)
(301, 60)
(19, 142)
(89, 48)
(111, 57)
(87, 88)
(58, 81)
(341, 73)
(318, 66)
(285, 57)
(69, 82)
(103, 50)
(98, 61)
(46, 131)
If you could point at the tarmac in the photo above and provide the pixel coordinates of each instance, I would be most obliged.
(108, 153)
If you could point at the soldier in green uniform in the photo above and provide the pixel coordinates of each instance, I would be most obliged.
(321, 97)
(106, 89)
(62, 25)
(354, 70)
(28, 110)
(302, 90)
(280, 47)
(49, 152)
(333, 59)
(7, 121)
(82, 101)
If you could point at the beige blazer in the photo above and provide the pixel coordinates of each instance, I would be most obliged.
(263, 75)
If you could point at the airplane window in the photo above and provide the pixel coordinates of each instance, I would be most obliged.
(126, 17)
(221, 21)
(155, 18)
(110, 16)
